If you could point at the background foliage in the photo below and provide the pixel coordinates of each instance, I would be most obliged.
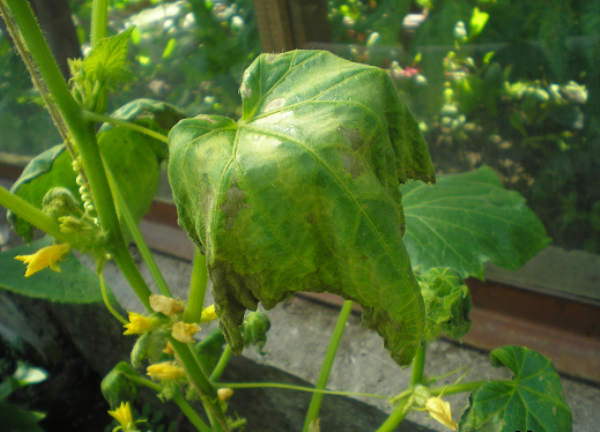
(519, 92)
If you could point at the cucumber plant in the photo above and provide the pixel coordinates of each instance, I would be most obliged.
(320, 186)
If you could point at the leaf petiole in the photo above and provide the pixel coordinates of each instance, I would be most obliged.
(92, 116)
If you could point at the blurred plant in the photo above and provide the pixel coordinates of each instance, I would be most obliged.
(12, 417)
(528, 109)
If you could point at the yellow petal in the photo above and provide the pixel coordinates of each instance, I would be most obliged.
(224, 394)
(140, 324)
(440, 411)
(208, 314)
(165, 371)
(46, 257)
(183, 332)
(166, 305)
(123, 414)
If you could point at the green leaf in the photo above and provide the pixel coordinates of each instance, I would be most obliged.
(74, 284)
(302, 193)
(108, 60)
(149, 345)
(532, 401)
(133, 157)
(210, 349)
(477, 23)
(117, 387)
(555, 26)
(13, 418)
(447, 303)
(255, 328)
(49, 169)
(466, 220)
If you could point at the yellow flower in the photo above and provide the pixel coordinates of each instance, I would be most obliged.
(169, 349)
(166, 305)
(224, 394)
(124, 417)
(440, 411)
(165, 371)
(183, 332)
(46, 257)
(208, 314)
(140, 324)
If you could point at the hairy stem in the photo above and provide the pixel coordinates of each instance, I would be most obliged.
(297, 388)
(39, 85)
(183, 404)
(107, 300)
(220, 367)
(83, 135)
(200, 383)
(99, 20)
(418, 366)
(195, 301)
(315, 403)
(32, 215)
(396, 417)
(461, 388)
(138, 238)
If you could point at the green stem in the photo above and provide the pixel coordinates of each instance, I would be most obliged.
(200, 383)
(99, 20)
(127, 266)
(84, 136)
(92, 116)
(107, 301)
(185, 407)
(418, 366)
(33, 215)
(220, 367)
(315, 403)
(297, 388)
(195, 301)
(138, 238)
(461, 388)
(397, 416)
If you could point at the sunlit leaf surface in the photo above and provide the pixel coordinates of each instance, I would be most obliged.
(466, 220)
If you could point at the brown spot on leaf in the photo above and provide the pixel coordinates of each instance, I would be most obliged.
(352, 166)
(309, 218)
(364, 257)
(353, 135)
(234, 202)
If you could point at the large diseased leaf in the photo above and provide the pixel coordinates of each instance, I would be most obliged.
(74, 284)
(466, 220)
(302, 193)
(533, 401)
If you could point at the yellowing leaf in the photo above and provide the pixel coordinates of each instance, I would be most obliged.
(301, 194)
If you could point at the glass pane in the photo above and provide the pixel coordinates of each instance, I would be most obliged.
(191, 54)
(509, 84)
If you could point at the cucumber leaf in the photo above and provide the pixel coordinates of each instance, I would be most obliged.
(108, 60)
(133, 158)
(532, 401)
(302, 193)
(51, 168)
(74, 284)
(466, 220)
(447, 303)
